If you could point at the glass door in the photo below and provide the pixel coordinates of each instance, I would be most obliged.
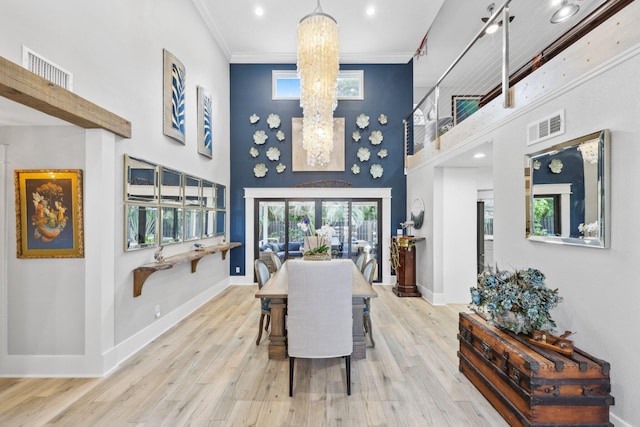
(283, 224)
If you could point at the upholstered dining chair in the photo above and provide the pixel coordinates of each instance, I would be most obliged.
(275, 259)
(262, 274)
(360, 260)
(319, 312)
(369, 271)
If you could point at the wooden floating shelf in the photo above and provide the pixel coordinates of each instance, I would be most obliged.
(141, 274)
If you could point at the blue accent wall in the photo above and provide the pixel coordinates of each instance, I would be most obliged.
(388, 89)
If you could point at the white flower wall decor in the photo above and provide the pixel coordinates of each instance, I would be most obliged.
(260, 137)
(280, 135)
(254, 152)
(356, 135)
(355, 169)
(273, 154)
(254, 118)
(376, 170)
(280, 168)
(376, 137)
(363, 154)
(383, 153)
(382, 119)
(260, 170)
(362, 121)
(273, 121)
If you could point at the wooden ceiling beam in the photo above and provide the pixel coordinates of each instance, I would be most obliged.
(26, 88)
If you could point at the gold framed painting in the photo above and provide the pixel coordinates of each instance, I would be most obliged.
(49, 213)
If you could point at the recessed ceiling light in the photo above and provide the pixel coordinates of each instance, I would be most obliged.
(371, 11)
(259, 11)
(479, 155)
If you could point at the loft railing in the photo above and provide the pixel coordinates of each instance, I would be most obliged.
(428, 112)
(479, 74)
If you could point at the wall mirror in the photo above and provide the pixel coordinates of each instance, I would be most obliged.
(165, 206)
(567, 192)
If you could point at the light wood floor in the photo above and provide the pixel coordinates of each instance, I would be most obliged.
(207, 371)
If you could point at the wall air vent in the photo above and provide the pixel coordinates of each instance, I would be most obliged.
(545, 128)
(46, 69)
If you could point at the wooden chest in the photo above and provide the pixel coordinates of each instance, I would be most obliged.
(530, 385)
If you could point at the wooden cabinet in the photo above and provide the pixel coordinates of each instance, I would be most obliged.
(531, 385)
(403, 253)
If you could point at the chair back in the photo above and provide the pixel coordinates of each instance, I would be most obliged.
(262, 272)
(319, 308)
(275, 259)
(360, 259)
(370, 269)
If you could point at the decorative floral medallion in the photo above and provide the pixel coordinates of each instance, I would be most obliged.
(260, 137)
(280, 168)
(355, 169)
(556, 165)
(363, 154)
(383, 153)
(376, 137)
(280, 135)
(356, 135)
(362, 121)
(260, 170)
(254, 118)
(376, 170)
(254, 152)
(382, 119)
(273, 154)
(273, 121)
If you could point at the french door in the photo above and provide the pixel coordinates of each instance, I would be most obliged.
(282, 225)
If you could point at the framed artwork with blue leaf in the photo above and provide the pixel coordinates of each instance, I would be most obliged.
(462, 106)
(205, 138)
(174, 97)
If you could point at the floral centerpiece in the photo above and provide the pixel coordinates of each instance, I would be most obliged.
(317, 243)
(518, 301)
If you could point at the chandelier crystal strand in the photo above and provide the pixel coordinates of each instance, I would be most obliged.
(318, 65)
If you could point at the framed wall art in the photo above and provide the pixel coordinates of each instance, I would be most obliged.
(174, 97)
(49, 213)
(462, 106)
(299, 154)
(205, 138)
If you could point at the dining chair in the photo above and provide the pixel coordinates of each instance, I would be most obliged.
(360, 260)
(276, 260)
(319, 312)
(262, 274)
(369, 271)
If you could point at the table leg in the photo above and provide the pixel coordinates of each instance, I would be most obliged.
(359, 343)
(278, 337)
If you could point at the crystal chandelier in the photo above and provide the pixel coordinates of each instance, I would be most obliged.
(318, 66)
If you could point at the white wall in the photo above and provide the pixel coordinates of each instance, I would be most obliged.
(595, 81)
(114, 49)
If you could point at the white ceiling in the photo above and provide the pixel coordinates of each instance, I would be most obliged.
(392, 35)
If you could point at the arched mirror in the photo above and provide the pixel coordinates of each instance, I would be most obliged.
(567, 192)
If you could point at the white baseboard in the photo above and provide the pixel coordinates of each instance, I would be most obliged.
(432, 298)
(618, 421)
(83, 366)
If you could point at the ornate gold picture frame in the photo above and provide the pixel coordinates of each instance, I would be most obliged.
(49, 213)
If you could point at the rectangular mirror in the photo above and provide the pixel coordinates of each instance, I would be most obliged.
(209, 223)
(141, 180)
(171, 188)
(191, 191)
(171, 227)
(141, 229)
(567, 189)
(208, 194)
(192, 224)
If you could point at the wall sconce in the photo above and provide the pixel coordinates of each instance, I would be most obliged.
(566, 11)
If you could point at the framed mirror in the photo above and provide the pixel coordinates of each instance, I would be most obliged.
(567, 192)
(141, 181)
(142, 227)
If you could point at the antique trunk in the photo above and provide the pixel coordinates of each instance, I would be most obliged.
(530, 385)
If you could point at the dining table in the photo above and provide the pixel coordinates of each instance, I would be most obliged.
(276, 289)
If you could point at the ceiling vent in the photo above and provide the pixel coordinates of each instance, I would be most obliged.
(545, 128)
(46, 69)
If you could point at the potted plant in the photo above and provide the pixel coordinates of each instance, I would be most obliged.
(518, 301)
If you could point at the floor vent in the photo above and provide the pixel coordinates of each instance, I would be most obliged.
(46, 69)
(545, 128)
